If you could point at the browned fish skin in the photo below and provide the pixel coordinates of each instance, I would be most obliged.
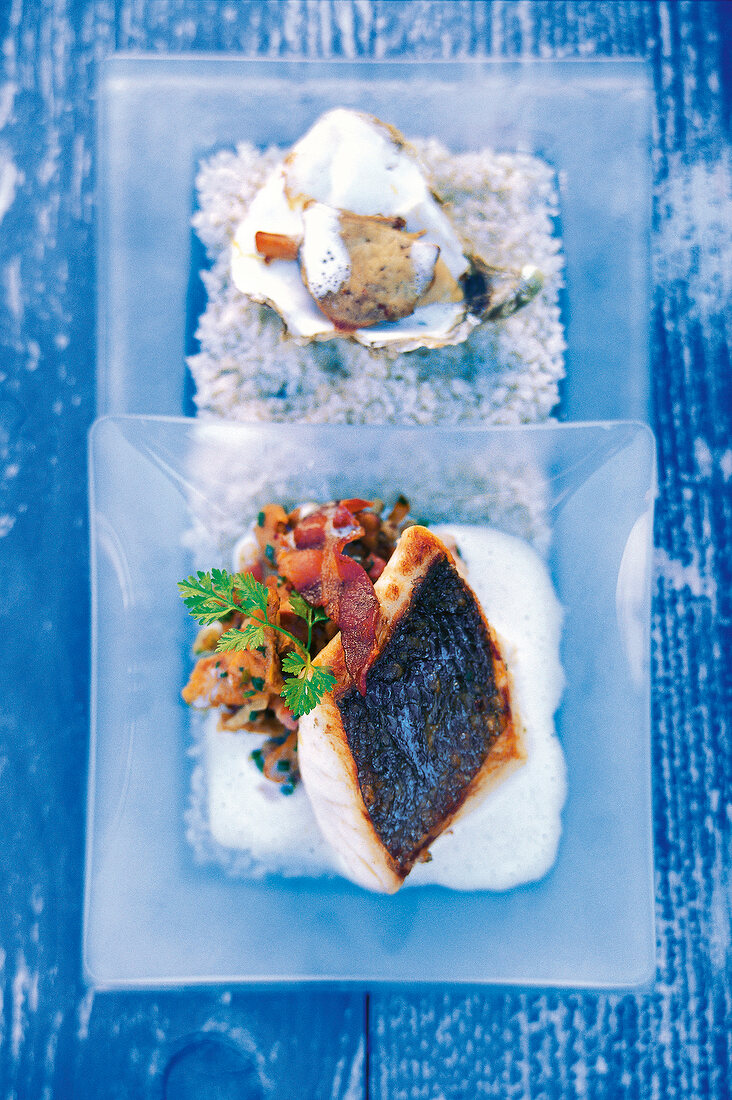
(435, 703)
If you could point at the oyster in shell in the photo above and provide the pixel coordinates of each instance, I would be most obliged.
(346, 239)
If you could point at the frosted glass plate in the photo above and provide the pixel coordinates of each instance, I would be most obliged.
(153, 916)
(159, 116)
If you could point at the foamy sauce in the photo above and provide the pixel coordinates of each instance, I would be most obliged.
(512, 835)
(324, 256)
(423, 255)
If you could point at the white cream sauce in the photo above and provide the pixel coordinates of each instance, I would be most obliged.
(423, 255)
(508, 838)
(324, 256)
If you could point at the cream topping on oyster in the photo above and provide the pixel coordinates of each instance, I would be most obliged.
(324, 259)
(345, 238)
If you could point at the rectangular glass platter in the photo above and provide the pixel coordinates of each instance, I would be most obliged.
(159, 117)
(153, 916)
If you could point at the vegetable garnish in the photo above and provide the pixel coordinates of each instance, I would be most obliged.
(211, 597)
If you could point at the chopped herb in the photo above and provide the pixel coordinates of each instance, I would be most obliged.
(258, 683)
(283, 765)
(260, 519)
(253, 715)
(258, 758)
(269, 553)
(288, 788)
(223, 675)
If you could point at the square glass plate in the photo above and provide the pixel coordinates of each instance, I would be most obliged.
(159, 116)
(154, 916)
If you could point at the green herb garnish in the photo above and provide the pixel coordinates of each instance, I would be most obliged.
(213, 596)
(307, 685)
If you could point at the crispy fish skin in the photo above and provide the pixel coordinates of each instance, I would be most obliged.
(340, 783)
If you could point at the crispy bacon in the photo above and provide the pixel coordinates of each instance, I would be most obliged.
(311, 557)
(357, 613)
(303, 569)
(334, 523)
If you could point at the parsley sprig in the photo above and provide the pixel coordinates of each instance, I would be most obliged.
(211, 597)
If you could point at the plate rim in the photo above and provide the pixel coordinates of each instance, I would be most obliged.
(645, 973)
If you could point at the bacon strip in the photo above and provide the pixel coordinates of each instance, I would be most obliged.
(311, 557)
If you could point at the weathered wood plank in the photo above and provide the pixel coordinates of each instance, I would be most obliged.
(673, 1042)
(54, 1039)
(227, 1043)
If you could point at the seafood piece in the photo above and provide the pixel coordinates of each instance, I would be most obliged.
(389, 770)
(364, 270)
(346, 238)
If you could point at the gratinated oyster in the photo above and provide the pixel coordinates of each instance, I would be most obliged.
(346, 238)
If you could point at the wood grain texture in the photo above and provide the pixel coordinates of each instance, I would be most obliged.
(55, 1039)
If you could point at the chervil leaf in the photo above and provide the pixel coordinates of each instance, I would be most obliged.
(305, 610)
(300, 606)
(324, 678)
(206, 600)
(299, 696)
(249, 637)
(200, 585)
(222, 583)
(293, 662)
(251, 594)
(212, 596)
(304, 691)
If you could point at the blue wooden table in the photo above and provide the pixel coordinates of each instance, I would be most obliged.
(58, 1039)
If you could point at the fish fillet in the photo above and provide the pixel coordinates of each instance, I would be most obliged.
(388, 770)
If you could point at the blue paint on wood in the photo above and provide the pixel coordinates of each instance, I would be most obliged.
(57, 1040)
